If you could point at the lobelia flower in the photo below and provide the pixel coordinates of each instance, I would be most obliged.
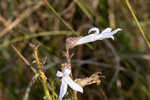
(107, 33)
(66, 80)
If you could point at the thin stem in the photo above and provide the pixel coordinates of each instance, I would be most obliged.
(137, 22)
(24, 59)
(53, 91)
(59, 17)
(75, 95)
(34, 35)
(68, 58)
(42, 75)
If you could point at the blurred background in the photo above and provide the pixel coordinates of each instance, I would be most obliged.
(125, 62)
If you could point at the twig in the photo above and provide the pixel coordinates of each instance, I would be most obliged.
(24, 59)
(82, 62)
(4, 21)
(140, 56)
(34, 78)
(111, 13)
(42, 75)
(117, 58)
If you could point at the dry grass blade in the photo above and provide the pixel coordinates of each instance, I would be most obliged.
(34, 78)
(23, 58)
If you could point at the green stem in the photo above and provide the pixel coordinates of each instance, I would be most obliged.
(75, 95)
(42, 75)
(68, 58)
(137, 22)
(59, 17)
(34, 35)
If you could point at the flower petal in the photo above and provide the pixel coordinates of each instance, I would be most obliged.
(63, 89)
(73, 85)
(115, 31)
(87, 39)
(94, 29)
(59, 74)
(108, 34)
(67, 72)
(112, 37)
(106, 30)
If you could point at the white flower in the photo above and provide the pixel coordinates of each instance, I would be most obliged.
(107, 33)
(66, 80)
